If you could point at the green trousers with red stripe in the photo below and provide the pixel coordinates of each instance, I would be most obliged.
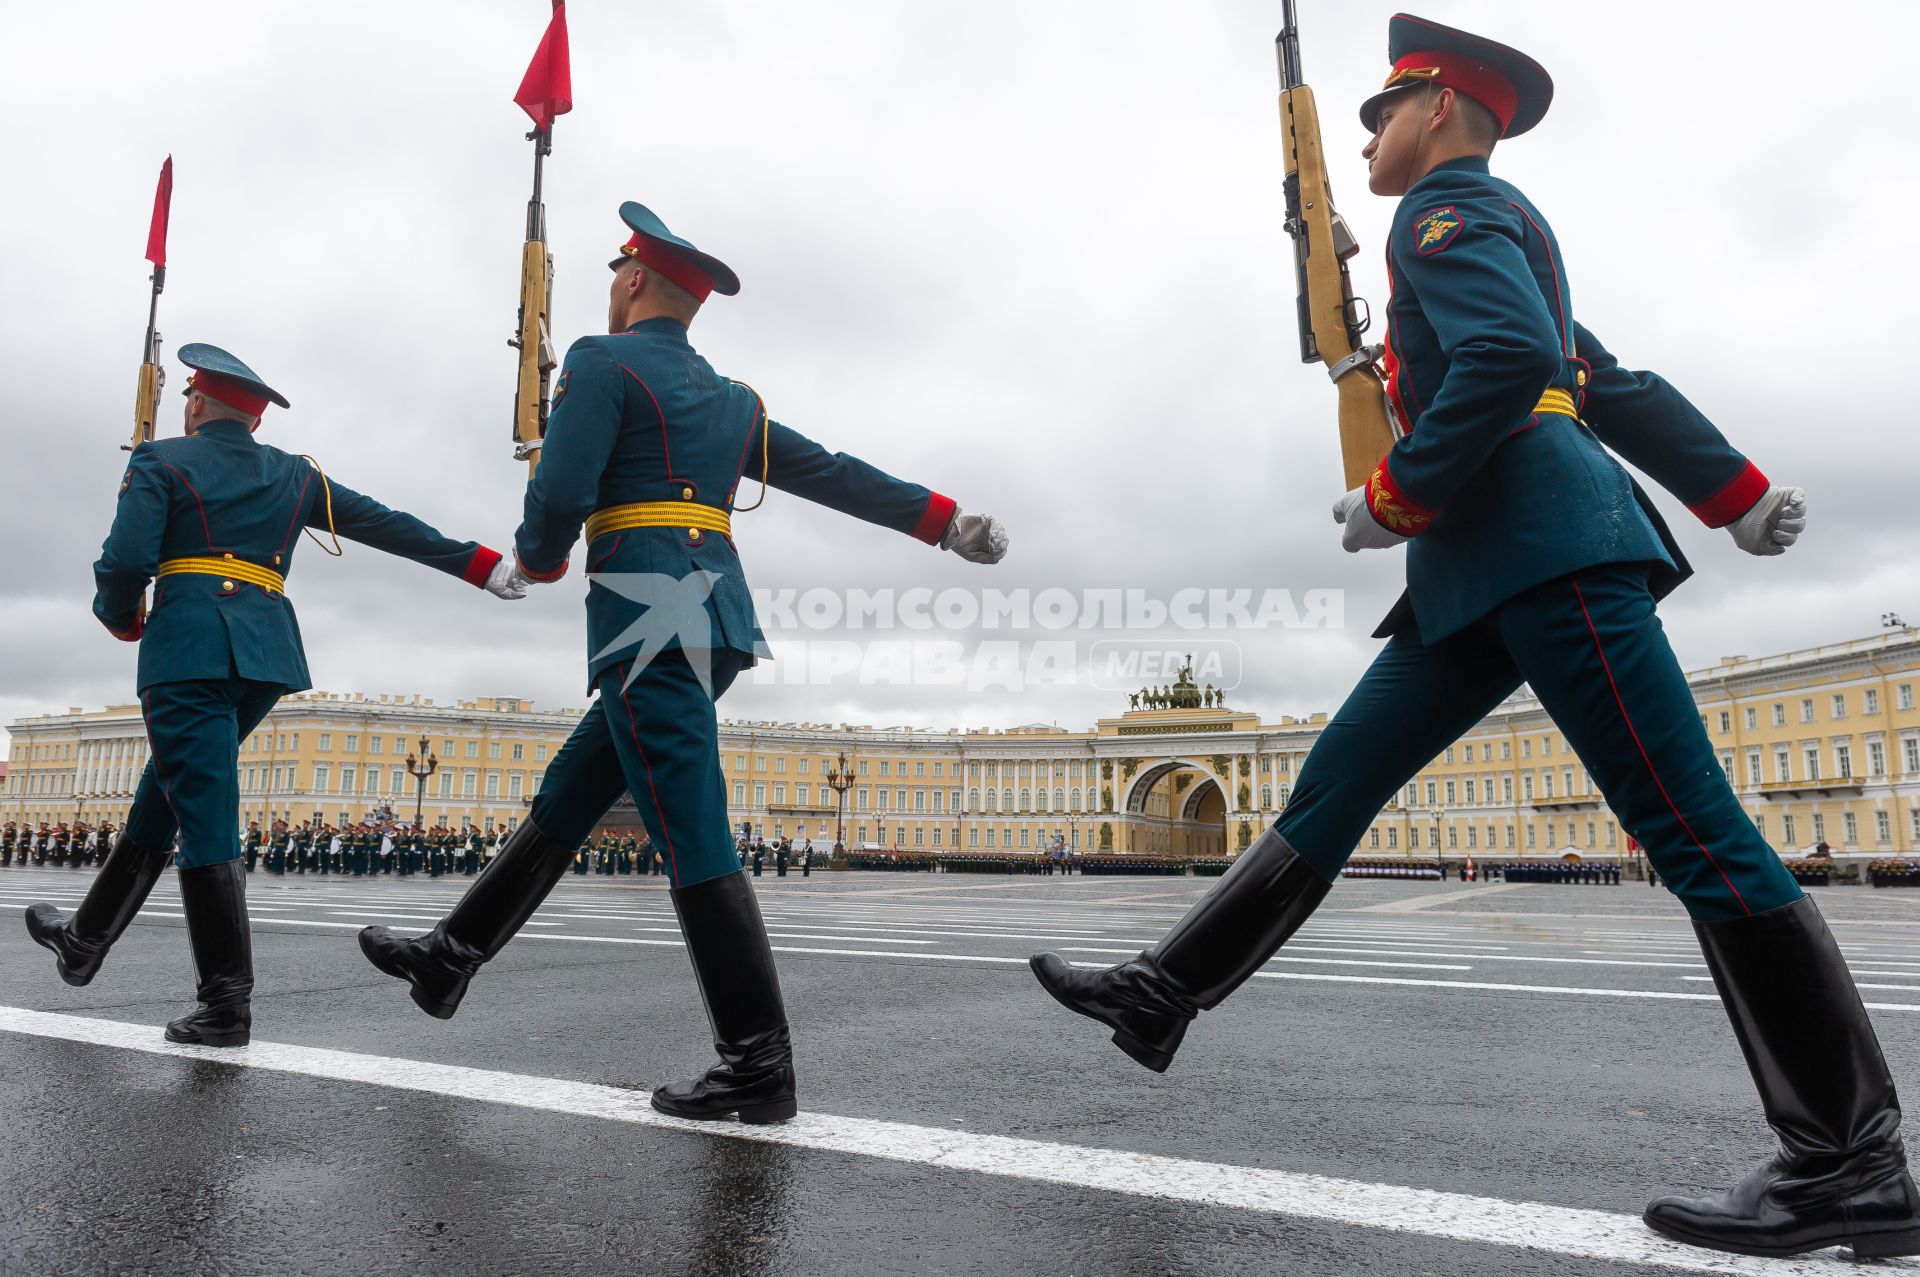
(1592, 649)
(651, 733)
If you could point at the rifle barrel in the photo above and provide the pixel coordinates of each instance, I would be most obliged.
(1287, 46)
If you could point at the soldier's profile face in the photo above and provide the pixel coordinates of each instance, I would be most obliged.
(1395, 145)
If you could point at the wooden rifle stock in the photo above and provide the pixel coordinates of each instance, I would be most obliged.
(536, 353)
(1332, 320)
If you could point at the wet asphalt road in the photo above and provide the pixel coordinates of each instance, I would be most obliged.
(1519, 1044)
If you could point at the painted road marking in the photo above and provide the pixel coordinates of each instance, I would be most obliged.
(1455, 1217)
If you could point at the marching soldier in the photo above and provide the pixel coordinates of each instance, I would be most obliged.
(9, 835)
(252, 844)
(1533, 556)
(647, 446)
(211, 521)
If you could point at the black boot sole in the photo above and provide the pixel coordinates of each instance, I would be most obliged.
(750, 1115)
(1140, 1052)
(438, 1008)
(1887, 1245)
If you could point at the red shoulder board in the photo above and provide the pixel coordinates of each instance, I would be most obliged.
(1435, 230)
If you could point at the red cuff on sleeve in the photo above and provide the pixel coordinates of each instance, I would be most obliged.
(933, 522)
(480, 566)
(1392, 508)
(132, 635)
(542, 578)
(1734, 500)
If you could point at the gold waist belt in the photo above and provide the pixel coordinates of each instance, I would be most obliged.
(659, 514)
(230, 568)
(1560, 401)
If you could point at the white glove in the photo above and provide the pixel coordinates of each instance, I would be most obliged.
(1363, 531)
(977, 538)
(505, 581)
(1775, 522)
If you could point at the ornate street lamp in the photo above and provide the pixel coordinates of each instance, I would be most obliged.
(840, 780)
(1435, 813)
(420, 767)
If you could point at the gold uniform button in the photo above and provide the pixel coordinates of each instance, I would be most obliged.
(227, 555)
(686, 494)
(226, 585)
(1580, 377)
(276, 559)
(693, 534)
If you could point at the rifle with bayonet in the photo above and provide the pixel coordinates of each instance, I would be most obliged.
(146, 399)
(1332, 319)
(545, 92)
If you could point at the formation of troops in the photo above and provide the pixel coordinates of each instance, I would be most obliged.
(1533, 557)
(72, 845)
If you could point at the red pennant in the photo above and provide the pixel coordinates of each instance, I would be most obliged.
(547, 90)
(162, 202)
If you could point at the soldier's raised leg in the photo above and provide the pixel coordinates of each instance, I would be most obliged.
(1413, 701)
(1598, 659)
(80, 942)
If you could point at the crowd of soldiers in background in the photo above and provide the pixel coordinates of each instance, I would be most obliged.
(1601, 873)
(62, 844)
(613, 853)
(755, 852)
(367, 848)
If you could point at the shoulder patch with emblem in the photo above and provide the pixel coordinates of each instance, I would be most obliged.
(560, 389)
(1435, 230)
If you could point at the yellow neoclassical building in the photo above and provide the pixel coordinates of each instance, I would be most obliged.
(1821, 745)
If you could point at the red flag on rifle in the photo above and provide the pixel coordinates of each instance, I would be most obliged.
(547, 90)
(162, 201)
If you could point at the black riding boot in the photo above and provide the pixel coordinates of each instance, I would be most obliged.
(214, 898)
(734, 965)
(440, 964)
(1840, 1175)
(1223, 940)
(80, 943)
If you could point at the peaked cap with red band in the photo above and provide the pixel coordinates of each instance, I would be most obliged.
(218, 375)
(1505, 81)
(659, 249)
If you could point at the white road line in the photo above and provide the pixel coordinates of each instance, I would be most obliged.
(1455, 1217)
(1329, 962)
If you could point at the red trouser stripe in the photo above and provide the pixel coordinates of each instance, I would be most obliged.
(1625, 718)
(634, 728)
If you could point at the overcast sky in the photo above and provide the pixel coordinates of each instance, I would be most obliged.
(1028, 254)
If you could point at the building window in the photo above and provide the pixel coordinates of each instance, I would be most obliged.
(1373, 839)
(539, 753)
(515, 782)
(1883, 826)
(1851, 825)
(1813, 762)
(1726, 721)
(1905, 695)
(1782, 764)
(446, 782)
(1843, 760)
(1910, 754)
(493, 784)
(469, 782)
(1806, 709)
(326, 742)
(759, 793)
(374, 743)
(1840, 705)
(493, 750)
(1876, 758)
(519, 753)
(1779, 714)
(353, 744)
(473, 749)
(1753, 767)
(1819, 826)
(1786, 824)
(321, 777)
(806, 792)
(346, 780)
(1870, 701)
(1753, 718)
(739, 793)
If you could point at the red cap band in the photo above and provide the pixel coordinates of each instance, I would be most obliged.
(658, 257)
(232, 393)
(1463, 75)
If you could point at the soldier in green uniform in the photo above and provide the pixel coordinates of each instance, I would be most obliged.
(646, 451)
(1534, 558)
(210, 521)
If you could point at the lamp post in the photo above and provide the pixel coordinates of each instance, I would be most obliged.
(840, 780)
(1435, 814)
(420, 767)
